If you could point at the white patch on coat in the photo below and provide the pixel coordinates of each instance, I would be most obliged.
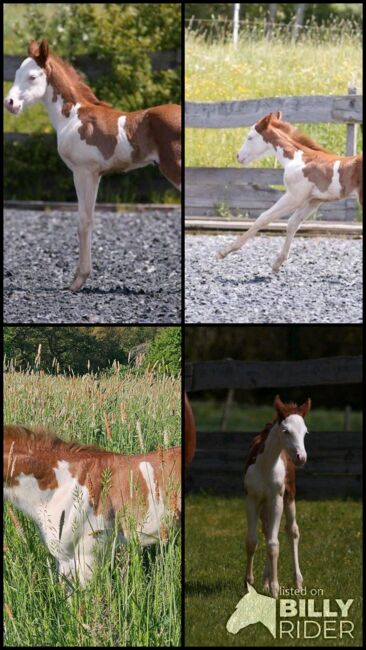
(150, 528)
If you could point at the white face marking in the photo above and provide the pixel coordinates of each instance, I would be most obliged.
(254, 147)
(293, 430)
(29, 87)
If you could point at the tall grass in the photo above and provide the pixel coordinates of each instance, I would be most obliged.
(258, 68)
(135, 595)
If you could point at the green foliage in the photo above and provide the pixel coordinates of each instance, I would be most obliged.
(124, 36)
(84, 349)
(165, 351)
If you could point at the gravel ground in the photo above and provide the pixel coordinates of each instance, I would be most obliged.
(136, 268)
(321, 282)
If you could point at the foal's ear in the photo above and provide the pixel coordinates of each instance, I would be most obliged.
(278, 404)
(39, 53)
(305, 407)
(278, 115)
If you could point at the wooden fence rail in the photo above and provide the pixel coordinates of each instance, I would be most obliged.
(216, 375)
(249, 190)
(333, 469)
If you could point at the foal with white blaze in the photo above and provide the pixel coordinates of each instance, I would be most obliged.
(312, 176)
(76, 493)
(93, 138)
(269, 480)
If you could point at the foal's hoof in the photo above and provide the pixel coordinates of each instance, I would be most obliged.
(78, 281)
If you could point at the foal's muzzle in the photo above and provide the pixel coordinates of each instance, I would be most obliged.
(12, 106)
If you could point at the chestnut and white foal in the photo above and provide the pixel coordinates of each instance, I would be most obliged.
(269, 479)
(93, 138)
(312, 176)
(78, 494)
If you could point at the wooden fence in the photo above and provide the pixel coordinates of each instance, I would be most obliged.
(249, 190)
(334, 467)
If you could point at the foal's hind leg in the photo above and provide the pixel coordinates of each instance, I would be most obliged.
(293, 223)
(284, 205)
(293, 534)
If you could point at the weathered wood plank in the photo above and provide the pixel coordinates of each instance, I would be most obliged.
(216, 375)
(248, 190)
(310, 228)
(308, 109)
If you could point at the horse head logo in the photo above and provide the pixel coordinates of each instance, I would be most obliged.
(253, 608)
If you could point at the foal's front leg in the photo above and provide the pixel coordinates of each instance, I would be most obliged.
(293, 534)
(284, 205)
(275, 510)
(86, 185)
(251, 540)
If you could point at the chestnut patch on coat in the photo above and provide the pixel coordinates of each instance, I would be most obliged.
(350, 175)
(319, 172)
(99, 128)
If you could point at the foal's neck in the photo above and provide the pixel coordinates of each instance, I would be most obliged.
(272, 448)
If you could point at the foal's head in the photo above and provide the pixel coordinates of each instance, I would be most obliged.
(292, 428)
(255, 145)
(30, 82)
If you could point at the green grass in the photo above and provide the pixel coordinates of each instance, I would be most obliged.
(138, 600)
(259, 68)
(330, 559)
(208, 416)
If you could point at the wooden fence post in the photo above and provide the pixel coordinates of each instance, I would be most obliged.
(351, 141)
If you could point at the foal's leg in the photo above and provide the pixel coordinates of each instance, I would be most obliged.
(275, 509)
(86, 185)
(267, 568)
(251, 540)
(293, 223)
(293, 534)
(284, 205)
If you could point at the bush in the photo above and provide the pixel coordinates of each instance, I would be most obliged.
(165, 352)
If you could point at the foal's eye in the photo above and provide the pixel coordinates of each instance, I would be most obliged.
(32, 77)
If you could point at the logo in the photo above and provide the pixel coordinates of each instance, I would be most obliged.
(253, 608)
(297, 619)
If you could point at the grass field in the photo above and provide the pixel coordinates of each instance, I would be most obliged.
(330, 559)
(138, 601)
(259, 68)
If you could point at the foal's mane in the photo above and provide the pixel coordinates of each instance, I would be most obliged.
(45, 441)
(298, 137)
(70, 82)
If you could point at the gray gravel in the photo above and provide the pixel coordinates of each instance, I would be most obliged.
(321, 282)
(136, 268)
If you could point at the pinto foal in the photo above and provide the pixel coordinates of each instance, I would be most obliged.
(93, 138)
(76, 494)
(312, 176)
(269, 480)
